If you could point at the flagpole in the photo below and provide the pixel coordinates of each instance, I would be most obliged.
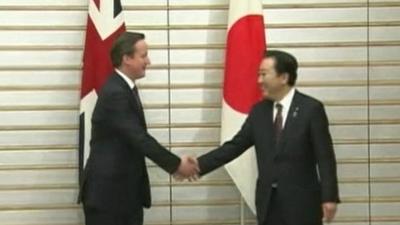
(242, 216)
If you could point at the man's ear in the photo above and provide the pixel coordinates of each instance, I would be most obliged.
(285, 78)
(125, 58)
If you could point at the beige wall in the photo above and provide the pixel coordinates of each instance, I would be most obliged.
(350, 59)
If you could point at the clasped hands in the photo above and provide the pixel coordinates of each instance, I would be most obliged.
(188, 169)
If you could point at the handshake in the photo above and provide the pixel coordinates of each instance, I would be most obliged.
(188, 169)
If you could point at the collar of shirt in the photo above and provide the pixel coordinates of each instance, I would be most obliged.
(285, 102)
(126, 78)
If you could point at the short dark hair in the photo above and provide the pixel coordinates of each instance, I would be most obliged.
(284, 63)
(123, 45)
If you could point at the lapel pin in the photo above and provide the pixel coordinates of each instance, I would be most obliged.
(295, 112)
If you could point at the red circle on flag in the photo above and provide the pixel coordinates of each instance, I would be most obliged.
(244, 52)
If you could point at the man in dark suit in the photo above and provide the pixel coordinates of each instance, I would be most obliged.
(297, 181)
(115, 185)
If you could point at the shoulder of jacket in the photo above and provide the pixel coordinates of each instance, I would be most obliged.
(260, 105)
(309, 100)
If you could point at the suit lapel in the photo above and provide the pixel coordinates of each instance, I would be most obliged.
(132, 100)
(139, 107)
(269, 123)
(291, 120)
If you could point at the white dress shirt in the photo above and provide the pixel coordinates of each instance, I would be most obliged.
(126, 78)
(285, 102)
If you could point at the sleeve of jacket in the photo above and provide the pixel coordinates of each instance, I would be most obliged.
(229, 150)
(324, 154)
(125, 121)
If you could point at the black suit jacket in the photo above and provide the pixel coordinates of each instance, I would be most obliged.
(115, 177)
(302, 163)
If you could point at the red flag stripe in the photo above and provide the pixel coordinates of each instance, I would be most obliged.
(96, 60)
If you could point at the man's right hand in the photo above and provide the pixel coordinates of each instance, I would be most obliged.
(188, 169)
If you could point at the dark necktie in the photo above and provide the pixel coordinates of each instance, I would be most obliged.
(278, 123)
(140, 106)
(137, 98)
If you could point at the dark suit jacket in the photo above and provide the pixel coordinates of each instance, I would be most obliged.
(302, 163)
(115, 177)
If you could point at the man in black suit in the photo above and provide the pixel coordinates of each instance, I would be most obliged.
(115, 185)
(297, 181)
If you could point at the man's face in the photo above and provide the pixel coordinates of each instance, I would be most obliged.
(138, 61)
(270, 82)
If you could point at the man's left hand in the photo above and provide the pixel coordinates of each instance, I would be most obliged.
(329, 210)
